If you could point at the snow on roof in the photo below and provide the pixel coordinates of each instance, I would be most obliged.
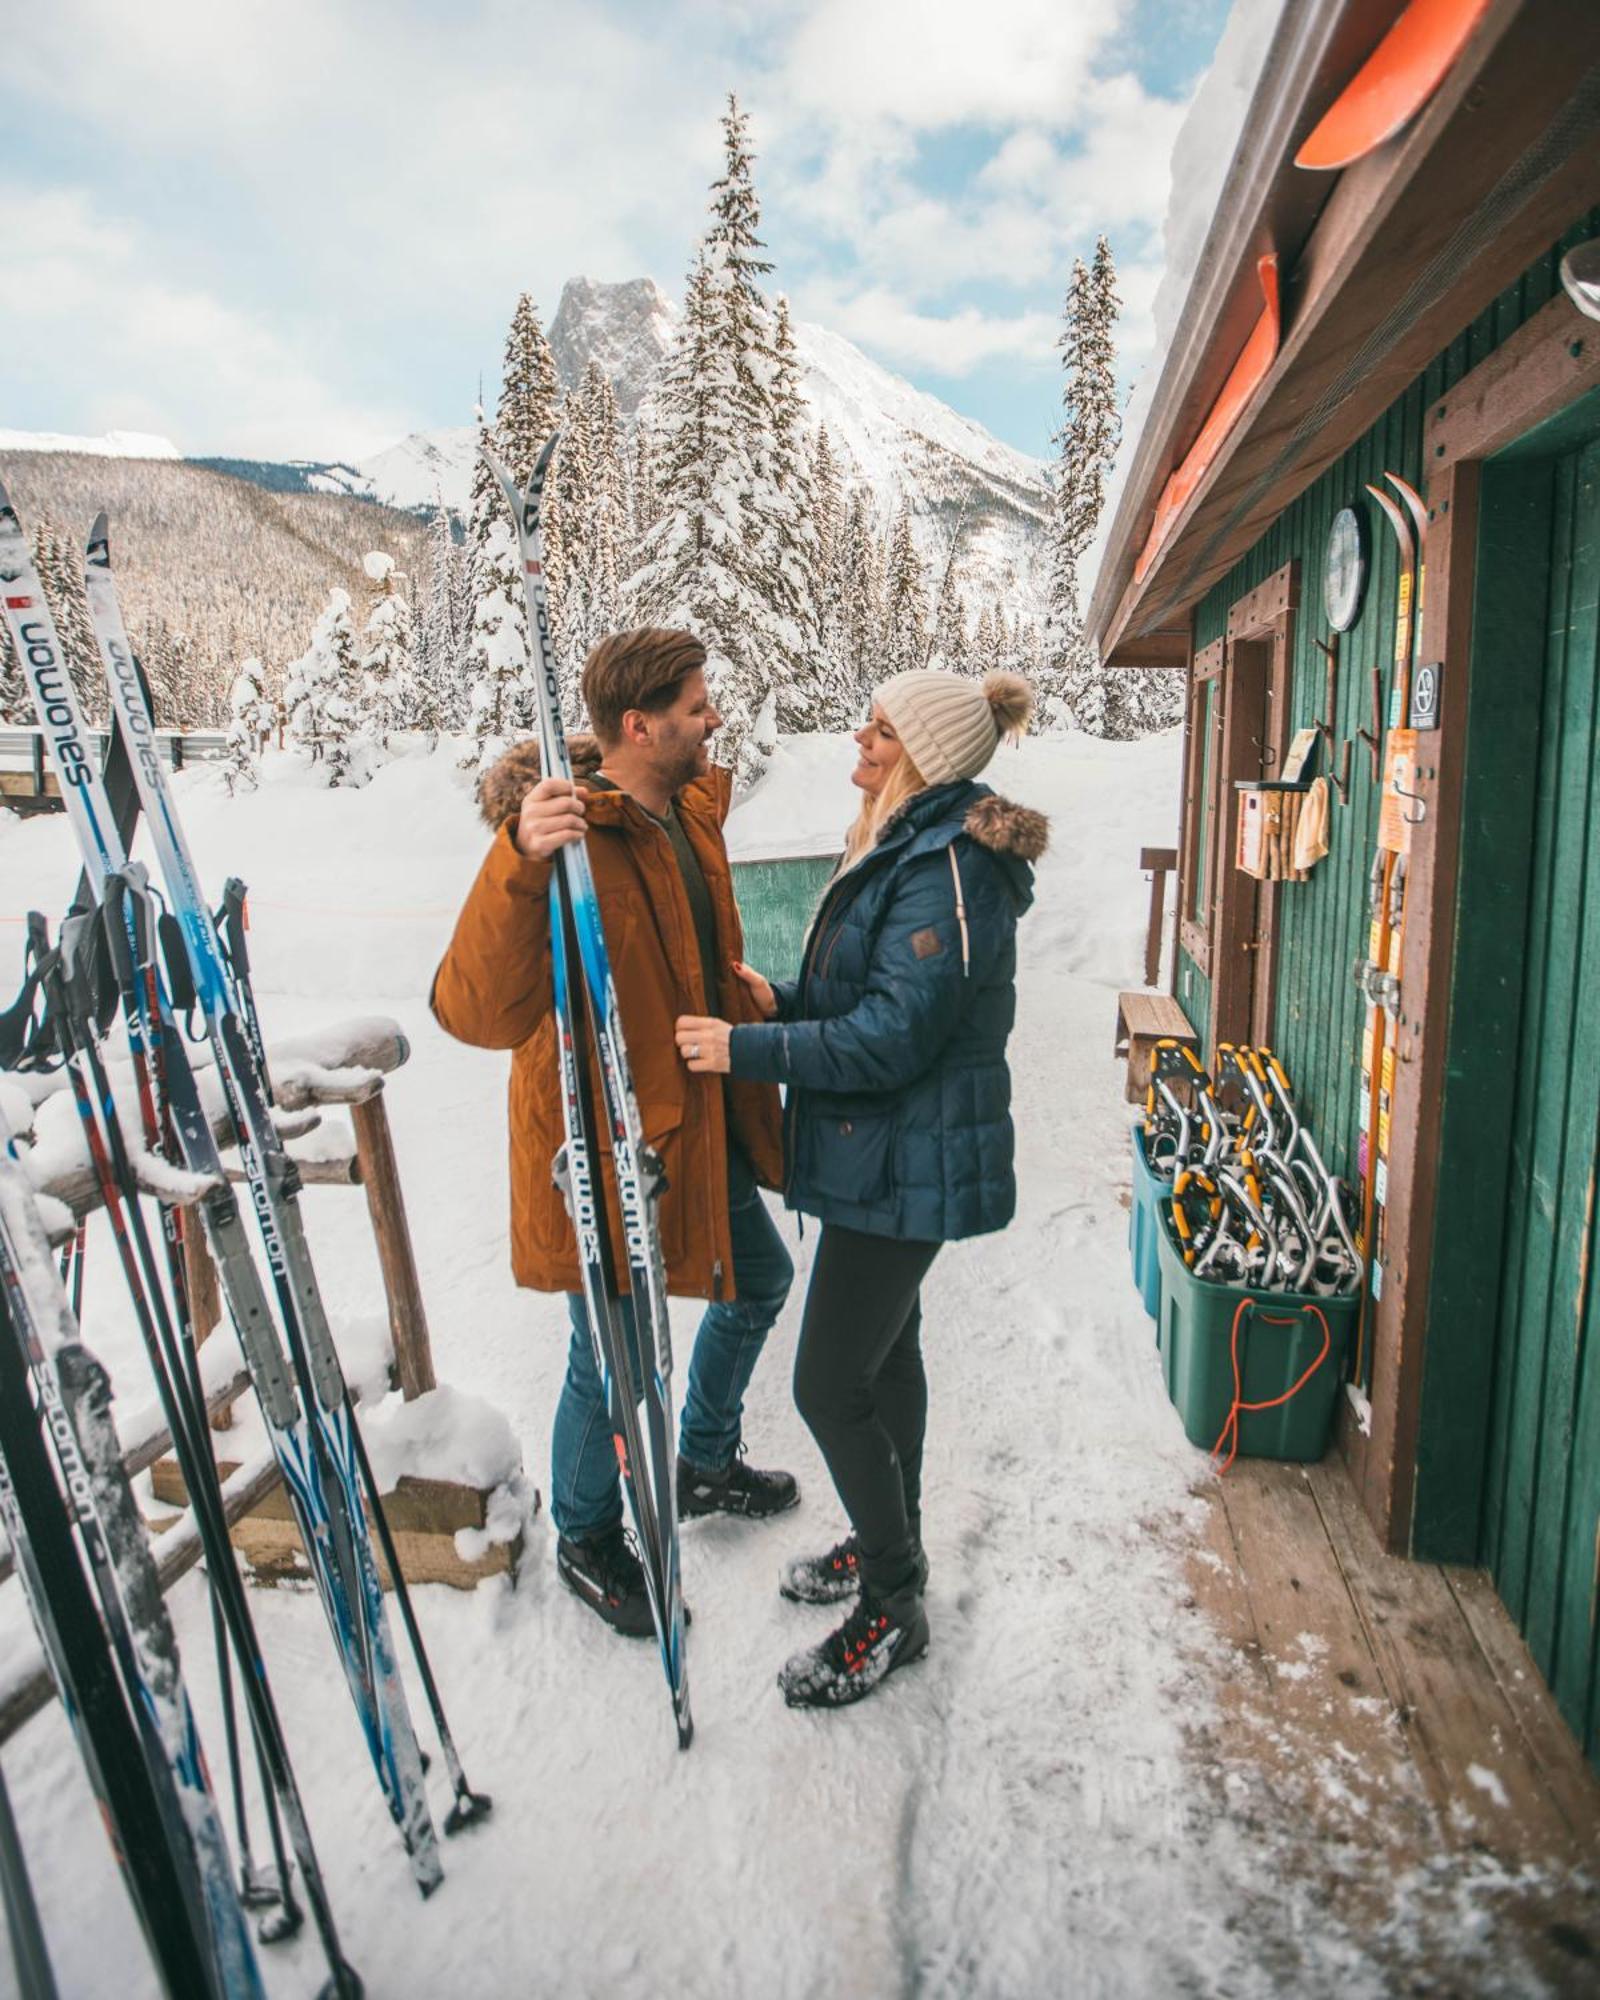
(802, 804)
(1202, 154)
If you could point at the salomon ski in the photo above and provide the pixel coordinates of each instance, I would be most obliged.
(88, 811)
(74, 1398)
(587, 1016)
(323, 1471)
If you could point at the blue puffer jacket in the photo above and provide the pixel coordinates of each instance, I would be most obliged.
(893, 1039)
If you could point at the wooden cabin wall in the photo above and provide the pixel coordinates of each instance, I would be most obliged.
(1322, 923)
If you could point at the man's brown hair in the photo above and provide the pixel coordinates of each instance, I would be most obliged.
(643, 668)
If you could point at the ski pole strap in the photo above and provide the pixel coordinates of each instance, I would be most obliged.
(233, 923)
(114, 910)
(180, 977)
(1229, 1434)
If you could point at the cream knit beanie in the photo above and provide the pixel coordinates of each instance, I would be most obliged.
(952, 724)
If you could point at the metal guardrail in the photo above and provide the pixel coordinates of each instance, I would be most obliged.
(27, 776)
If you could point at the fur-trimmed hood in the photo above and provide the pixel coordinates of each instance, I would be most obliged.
(509, 779)
(1004, 827)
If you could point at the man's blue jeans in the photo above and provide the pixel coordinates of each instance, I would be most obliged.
(585, 1490)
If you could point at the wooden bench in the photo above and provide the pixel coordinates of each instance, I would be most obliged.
(1143, 1019)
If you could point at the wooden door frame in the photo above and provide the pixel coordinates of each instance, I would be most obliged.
(1437, 1412)
(1264, 619)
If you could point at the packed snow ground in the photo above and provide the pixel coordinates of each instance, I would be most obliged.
(1016, 1816)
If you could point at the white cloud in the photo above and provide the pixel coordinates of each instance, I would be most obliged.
(950, 344)
(928, 64)
(165, 356)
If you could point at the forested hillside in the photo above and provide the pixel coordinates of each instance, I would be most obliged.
(212, 568)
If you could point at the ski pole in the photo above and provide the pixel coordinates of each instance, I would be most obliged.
(35, 1980)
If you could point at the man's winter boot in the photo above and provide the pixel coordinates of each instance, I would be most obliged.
(880, 1635)
(831, 1578)
(737, 1489)
(607, 1575)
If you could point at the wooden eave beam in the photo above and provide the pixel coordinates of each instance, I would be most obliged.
(1265, 204)
(1388, 219)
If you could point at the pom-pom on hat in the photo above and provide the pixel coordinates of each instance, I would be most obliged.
(951, 724)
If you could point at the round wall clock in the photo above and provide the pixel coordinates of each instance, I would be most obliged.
(1344, 577)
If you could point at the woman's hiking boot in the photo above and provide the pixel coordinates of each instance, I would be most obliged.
(879, 1636)
(831, 1578)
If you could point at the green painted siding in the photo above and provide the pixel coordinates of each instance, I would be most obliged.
(776, 902)
(1322, 922)
(1542, 1495)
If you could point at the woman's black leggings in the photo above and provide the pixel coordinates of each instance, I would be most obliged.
(859, 1384)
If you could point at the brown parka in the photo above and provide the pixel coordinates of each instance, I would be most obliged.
(494, 990)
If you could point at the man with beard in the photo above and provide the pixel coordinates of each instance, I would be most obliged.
(651, 807)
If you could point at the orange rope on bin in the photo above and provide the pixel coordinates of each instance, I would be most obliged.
(1272, 1402)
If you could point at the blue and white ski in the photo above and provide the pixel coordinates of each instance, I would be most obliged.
(313, 1455)
(322, 1471)
(587, 1015)
(74, 1397)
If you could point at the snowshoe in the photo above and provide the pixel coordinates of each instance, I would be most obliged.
(880, 1635)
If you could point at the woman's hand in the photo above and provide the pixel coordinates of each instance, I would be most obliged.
(552, 816)
(703, 1044)
(760, 989)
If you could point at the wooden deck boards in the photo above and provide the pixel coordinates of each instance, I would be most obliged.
(1382, 1725)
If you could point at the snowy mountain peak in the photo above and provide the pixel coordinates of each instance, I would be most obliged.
(112, 444)
(626, 327)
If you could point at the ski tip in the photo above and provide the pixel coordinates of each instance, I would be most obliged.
(98, 546)
(541, 465)
(1397, 519)
(1415, 503)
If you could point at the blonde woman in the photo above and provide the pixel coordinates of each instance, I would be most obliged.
(897, 1128)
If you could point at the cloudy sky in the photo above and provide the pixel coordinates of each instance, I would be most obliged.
(298, 227)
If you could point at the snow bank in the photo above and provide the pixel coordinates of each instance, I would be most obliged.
(442, 1435)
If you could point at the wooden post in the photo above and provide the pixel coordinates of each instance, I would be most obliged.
(1159, 860)
(205, 1296)
(408, 1321)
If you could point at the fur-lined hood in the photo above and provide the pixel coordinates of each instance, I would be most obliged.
(1004, 827)
(510, 778)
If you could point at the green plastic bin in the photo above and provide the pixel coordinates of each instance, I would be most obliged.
(1194, 1332)
(1150, 1197)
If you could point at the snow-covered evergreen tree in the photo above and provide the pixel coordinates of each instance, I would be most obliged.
(593, 511)
(905, 608)
(60, 569)
(949, 650)
(722, 555)
(250, 724)
(436, 692)
(322, 695)
(861, 602)
(499, 688)
(838, 700)
(1074, 687)
(530, 392)
(388, 668)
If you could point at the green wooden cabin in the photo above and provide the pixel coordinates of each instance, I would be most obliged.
(1425, 331)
